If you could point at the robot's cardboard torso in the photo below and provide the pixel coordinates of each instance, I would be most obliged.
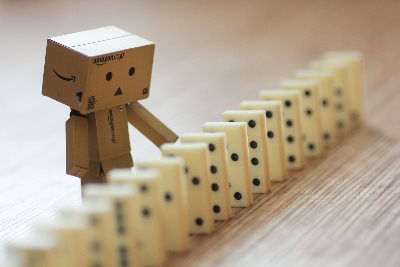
(108, 133)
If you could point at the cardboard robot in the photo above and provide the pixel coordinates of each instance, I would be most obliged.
(101, 74)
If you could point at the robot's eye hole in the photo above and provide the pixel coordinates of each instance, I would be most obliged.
(109, 76)
(132, 71)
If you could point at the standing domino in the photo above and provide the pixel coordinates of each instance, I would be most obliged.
(341, 93)
(238, 160)
(354, 64)
(293, 126)
(311, 117)
(220, 196)
(73, 237)
(174, 204)
(98, 215)
(148, 213)
(124, 200)
(257, 142)
(37, 251)
(201, 220)
(276, 146)
(327, 94)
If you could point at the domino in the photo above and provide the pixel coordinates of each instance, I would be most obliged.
(220, 194)
(102, 242)
(257, 143)
(327, 94)
(238, 160)
(148, 213)
(293, 126)
(123, 199)
(174, 203)
(354, 65)
(276, 146)
(311, 115)
(36, 251)
(341, 93)
(73, 237)
(197, 162)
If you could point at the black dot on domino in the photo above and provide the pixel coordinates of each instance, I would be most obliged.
(121, 230)
(339, 106)
(199, 221)
(256, 182)
(213, 169)
(237, 196)
(291, 158)
(168, 197)
(290, 139)
(289, 123)
(253, 144)
(307, 93)
(268, 114)
(214, 187)
(95, 246)
(195, 180)
(340, 124)
(309, 112)
(146, 212)
(327, 136)
(254, 161)
(252, 124)
(338, 91)
(270, 134)
(211, 147)
(143, 188)
(122, 250)
(216, 209)
(288, 103)
(186, 169)
(311, 146)
(235, 157)
(325, 102)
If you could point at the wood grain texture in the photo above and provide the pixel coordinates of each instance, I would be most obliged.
(341, 210)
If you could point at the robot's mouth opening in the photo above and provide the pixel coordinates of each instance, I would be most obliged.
(118, 92)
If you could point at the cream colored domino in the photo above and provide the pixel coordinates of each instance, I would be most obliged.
(258, 148)
(311, 115)
(197, 162)
(276, 146)
(328, 112)
(36, 251)
(148, 213)
(220, 194)
(238, 160)
(102, 242)
(174, 204)
(341, 93)
(293, 125)
(73, 237)
(354, 62)
(123, 199)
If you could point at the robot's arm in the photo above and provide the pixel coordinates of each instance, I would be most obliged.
(77, 145)
(149, 125)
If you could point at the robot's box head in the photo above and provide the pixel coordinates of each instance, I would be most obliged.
(97, 69)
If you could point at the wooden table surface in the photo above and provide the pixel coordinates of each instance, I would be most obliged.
(341, 210)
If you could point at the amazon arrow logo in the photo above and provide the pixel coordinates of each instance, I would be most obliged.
(68, 79)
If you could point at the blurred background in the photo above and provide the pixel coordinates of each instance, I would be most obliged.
(210, 55)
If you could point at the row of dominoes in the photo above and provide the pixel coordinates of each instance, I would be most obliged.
(140, 215)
